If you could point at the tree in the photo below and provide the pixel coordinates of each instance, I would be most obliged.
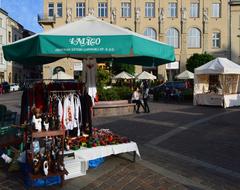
(119, 67)
(103, 77)
(196, 60)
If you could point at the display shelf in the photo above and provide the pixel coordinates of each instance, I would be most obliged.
(48, 133)
(41, 135)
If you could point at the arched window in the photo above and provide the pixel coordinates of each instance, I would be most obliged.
(173, 37)
(57, 69)
(194, 38)
(151, 33)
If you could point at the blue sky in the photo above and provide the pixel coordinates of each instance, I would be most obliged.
(25, 12)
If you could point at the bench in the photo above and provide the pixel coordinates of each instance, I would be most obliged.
(113, 108)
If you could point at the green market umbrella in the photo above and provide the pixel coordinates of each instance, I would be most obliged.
(89, 38)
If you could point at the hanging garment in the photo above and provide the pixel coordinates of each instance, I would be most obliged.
(67, 114)
(72, 106)
(60, 111)
(77, 112)
(86, 105)
(90, 69)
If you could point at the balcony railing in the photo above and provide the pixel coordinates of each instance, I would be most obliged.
(44, 18)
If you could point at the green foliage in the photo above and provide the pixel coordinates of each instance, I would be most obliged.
(118, 68)
(115, 93)
(103, 78)
(196, 60)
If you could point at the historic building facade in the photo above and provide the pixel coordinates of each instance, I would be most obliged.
(191, 26)
(11, 31)
(235, 30)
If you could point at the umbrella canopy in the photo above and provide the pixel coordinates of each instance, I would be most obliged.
(145, 76)
(185, 75)
(62, 76)
(89, 38)
(123, 75)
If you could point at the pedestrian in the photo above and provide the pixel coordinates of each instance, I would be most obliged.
(1, 89)
(146, 96)
(136, 99)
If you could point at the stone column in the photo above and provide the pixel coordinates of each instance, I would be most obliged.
(161, 25)
(183, 56)
(205, 30)
(137, 19)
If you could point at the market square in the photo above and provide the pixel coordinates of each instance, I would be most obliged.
(181, 148)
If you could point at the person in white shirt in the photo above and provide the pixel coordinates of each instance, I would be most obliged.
(136, 99)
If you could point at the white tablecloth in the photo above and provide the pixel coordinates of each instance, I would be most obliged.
(209, 99)
(103, 151)
(225, 101)
(231, 100)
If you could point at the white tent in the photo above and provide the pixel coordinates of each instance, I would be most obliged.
(62, 76)
(145, 76)
(218, 66)
(123, 75)
(217, 83)
(185, 75)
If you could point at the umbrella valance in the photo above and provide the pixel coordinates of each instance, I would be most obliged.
(89, 37)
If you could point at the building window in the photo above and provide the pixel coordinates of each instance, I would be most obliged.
(150, 9)
(58, 69)
(216, 40)
(216, 10)
(80, 9)
(126, 9)
(1, 39)
(102, 10)
(173, 37)
(151, 33)
(51, 9)
(15, 37)
(194, 38)
(172, 9)
(0, 22)
(194, 10)
(59, 9)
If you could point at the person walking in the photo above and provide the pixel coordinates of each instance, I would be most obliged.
(146, 96)
(136, 99)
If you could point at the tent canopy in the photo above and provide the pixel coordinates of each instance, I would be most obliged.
(123, 75)
(218, 66)
(145, 76)
(62, 76)
(185, 75)
(89, 38)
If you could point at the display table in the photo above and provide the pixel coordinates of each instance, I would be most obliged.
(103, 151)
(225, 101)
(231, 100)
(78, 165)
(209, 99)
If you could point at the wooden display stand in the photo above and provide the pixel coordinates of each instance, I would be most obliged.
(44, 134)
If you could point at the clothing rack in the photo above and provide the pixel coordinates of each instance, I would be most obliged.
(64, 91)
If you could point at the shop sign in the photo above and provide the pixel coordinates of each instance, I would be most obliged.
(85, 41)
(78, 66)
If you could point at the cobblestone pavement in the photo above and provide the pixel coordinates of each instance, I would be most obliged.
(182, 147)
